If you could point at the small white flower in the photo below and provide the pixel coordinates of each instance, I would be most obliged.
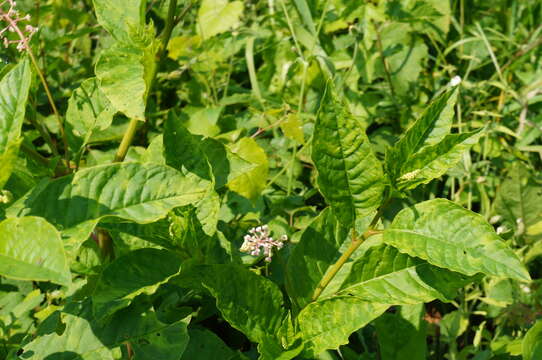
(456, 80)
(258, 239)
(501, 229)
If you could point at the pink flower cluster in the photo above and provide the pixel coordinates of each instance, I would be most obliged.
(259, 239)
(12, 18)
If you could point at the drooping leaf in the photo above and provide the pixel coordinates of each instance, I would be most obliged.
(218, 16)
(248, 302)
(432, 126)
(386, 276)
(88, 110)
(14, 87)
(75, 203)
(532, 343)
(433, 161)
(139, 272)
(120, 18)
(452, 237)
(84, 338)
(124, 73)
(31, 249)
(317, 250)
(402, 335)
(328, 323)
(349, 175)
(250, 184)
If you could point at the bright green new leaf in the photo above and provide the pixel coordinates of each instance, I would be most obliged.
(385, 275)
(32, 249)
(452, 237)
(327, 324)
(124, 73)
(218, 16)
(75, 203)
(432, 126)
(318, 249)
(88, 110)
(433, 161)
(349, 175)
(139, 272)
(402, 335)
(532, 343)
(120, 18)
(250, 184)
(293, 128)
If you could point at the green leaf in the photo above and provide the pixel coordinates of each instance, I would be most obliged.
(292, 128)
(519, 201)
(386, 276)
(88, 110)
(249, 302)
(14, 88)
(76, 203)
(125, 73)
(81, 337)
(532, 343)
(432, 126)
(349, 175)
(449, 236)
(327, 324)
(31, 249)
(317, 250)
(120, 18)
(250, 184)
(433, 161)
(139, 272)
(218, 16)
(205, 345)
(402, 335)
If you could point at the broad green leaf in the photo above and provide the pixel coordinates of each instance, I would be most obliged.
(318, 249)
(139, 272)
(124, 73)
(250, 184)
(532, 343)
(386, 276)
(75, 203)
(349, 175)
(32, 249)
(84, 338)
(432, 126)
(88, 110)
(402, 335)
(327, 324)
(248, 302)
(120, 18)
(433, 161)
(218, 16)
(205, 345)
(14, 88)
(519, 201)
(452, 237)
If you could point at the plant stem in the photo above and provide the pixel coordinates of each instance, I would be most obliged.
(385, 63)
(126, 141)
(356, 242)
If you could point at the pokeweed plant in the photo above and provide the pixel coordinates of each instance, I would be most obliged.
(134, 250)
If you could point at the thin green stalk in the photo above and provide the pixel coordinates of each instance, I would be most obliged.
(249, 55)
(385, 64)
(354, 245)
(126, 141)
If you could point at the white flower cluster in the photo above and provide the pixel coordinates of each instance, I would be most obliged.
(11, 17)
(259, 240)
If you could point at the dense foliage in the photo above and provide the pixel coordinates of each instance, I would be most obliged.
(301, 179)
